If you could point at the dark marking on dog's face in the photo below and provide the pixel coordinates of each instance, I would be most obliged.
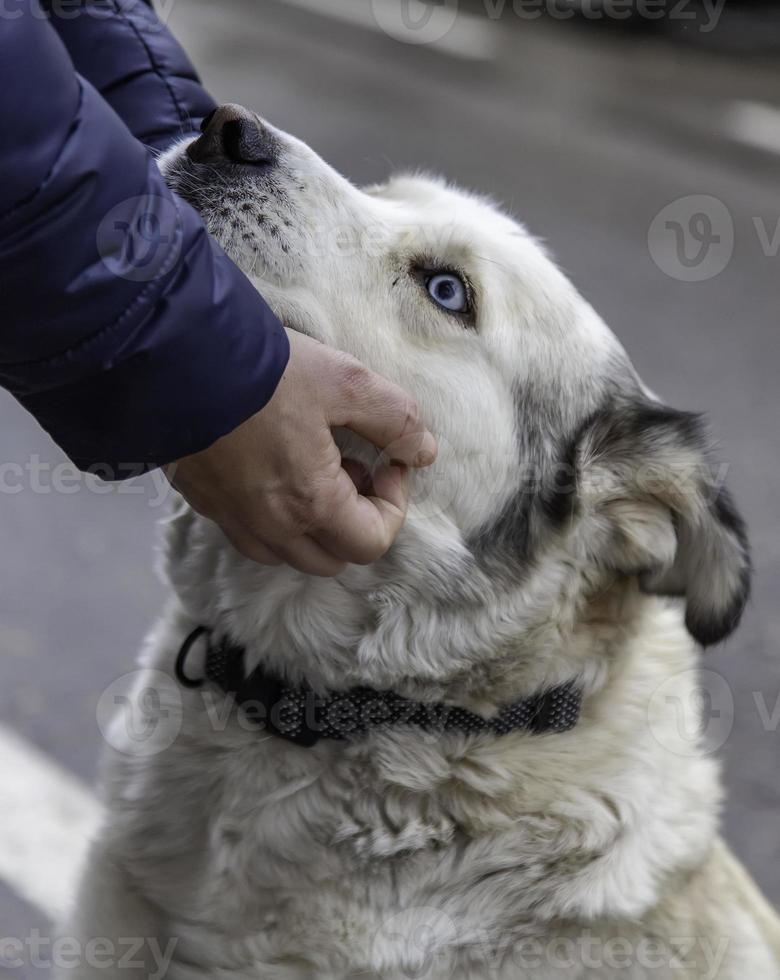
(638, 477)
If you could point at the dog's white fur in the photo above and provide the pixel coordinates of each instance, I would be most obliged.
(592, 853)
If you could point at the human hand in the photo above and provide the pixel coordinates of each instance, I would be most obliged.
(276, 484)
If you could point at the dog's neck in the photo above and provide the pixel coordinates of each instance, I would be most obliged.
(425, 622)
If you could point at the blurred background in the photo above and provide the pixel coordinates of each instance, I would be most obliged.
(640, 140)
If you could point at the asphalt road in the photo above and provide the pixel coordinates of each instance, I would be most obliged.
(587, 135)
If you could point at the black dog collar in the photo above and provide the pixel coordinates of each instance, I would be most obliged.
(302, 716)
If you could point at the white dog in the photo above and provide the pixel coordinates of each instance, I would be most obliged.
(528, 801)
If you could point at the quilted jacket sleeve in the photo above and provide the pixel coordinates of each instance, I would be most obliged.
(136, 64)
(125, 330)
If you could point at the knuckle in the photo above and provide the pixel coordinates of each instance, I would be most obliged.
(412, 414)
(285, 513)
(309, 505)
(297, 516)
(360, 383)
(355, 377)
(321, 513)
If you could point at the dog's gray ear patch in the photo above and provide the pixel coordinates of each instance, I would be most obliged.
(712, 570)
(646, 476)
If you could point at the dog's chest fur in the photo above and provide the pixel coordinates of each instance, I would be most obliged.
(415, 855)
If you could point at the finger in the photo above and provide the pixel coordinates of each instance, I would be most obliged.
(358, 473)
(250, 546)
(363, 528)
(415, 449)
(308, 556)
(383, 413)
(301, 553)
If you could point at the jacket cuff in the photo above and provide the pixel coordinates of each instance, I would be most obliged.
(178, 391)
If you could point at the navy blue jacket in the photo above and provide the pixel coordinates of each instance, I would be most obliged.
(124, 328)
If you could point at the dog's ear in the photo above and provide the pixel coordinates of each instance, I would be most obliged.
(653, 507)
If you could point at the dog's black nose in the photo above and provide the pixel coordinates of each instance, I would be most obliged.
(233, 133)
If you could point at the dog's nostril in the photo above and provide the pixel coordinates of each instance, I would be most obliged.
(247, 141)
(204, 123)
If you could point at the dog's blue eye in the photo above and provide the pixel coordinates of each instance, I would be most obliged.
(448, 291)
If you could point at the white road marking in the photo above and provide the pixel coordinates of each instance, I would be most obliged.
(755, 124)
(470, 37)
(47, 818)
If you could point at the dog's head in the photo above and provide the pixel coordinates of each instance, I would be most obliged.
(559, 473)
